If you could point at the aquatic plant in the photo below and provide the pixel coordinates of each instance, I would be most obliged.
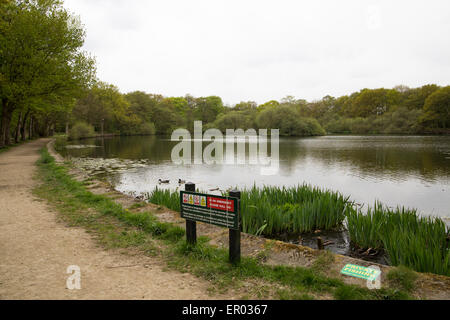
(167, 198)
(291, 210)
(274, 210)
(420, 243)
(364, 228)
(416, 242)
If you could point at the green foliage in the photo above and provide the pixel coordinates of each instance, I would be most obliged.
(365, 228)
(437, 109)
(235, 120)
(417, 242)
(60, 143)
(273, 210)
(81, 130)
(397, 121)
(288, 121)
(42, 64)
(167, 198)
(147, 128)
(207, 109)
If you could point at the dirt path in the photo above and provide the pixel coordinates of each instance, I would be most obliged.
(36, 249)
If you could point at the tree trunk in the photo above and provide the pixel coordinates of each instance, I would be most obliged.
(5, 124)
(8, 130)
(24, 125)
(17, 131)
(30, 131)
(47, 129)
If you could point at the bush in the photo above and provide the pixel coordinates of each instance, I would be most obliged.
(289, 122)
(234, 120)
(361, 126)
(60, 143)
(147, 128)
(81, 130)
(341, 125)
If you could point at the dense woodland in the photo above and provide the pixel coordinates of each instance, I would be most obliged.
(48, 84)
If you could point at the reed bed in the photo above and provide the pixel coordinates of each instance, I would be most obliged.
(167, 198)
(274, 210)
(420, 243)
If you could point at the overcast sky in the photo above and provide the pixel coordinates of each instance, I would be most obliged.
(262, 50)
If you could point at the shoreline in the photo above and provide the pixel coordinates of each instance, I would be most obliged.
(280, 252)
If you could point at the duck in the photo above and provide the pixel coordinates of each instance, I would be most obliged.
(163, 181)
(181, 181)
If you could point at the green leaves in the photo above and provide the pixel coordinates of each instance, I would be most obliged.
(416, 242)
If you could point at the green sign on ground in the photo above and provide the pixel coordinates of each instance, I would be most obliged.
(361, 272)
(215, 210)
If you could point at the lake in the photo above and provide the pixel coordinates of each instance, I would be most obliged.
(413, 171)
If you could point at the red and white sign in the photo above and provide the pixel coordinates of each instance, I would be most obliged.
(221, 204)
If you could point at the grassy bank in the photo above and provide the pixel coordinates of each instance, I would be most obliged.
(418, 243)
(116, 226)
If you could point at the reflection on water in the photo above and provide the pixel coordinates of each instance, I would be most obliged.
(398, 170)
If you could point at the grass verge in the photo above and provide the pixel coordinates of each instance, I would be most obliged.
(118, 227)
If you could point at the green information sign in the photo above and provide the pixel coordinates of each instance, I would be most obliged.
(215, 210)
(361, 272)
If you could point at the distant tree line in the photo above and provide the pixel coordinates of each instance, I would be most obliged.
(48, 84)
(400, 110)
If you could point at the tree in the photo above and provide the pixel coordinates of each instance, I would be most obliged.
(142, 104)
(40, 55)
(207, 109)
(106, 108)
(437, 109)
(415, 98)
(374, 102)
(287, 120)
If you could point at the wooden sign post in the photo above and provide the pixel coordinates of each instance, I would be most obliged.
(216, 210)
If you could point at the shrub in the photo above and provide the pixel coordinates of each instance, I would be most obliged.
(289, 122)
(81, 130)
(147, 128)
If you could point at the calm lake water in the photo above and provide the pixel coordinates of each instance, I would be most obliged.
(413, 171)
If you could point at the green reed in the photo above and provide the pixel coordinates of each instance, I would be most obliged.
(167, 198)
(416, 242)
(274, 210)
(420, 243)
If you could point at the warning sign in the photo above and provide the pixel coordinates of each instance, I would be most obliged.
(211, 209)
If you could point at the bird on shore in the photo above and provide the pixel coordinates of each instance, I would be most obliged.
(163, 181)
(181, 181)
